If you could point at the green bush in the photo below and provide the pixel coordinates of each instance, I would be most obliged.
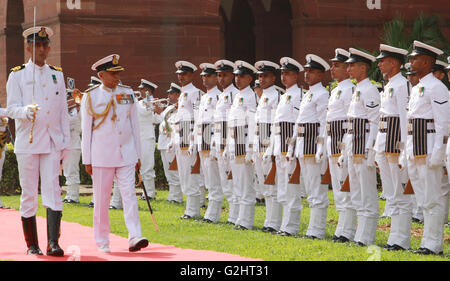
(10, 183)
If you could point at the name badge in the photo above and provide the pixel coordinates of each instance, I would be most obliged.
(124, 99)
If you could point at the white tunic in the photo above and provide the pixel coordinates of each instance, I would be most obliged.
(52, 120)
(113, 143)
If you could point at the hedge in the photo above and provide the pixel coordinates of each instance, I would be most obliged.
(10, 179)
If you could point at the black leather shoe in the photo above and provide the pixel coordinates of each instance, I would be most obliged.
(387, 246)
(416, 220)
(90, 205)
(395, 247)
(240, 227)
(53, 233)
(343, 239)
(207, 220)
(335, 238)
(70, 201)
(425, 251)
(360, 244)
(311, 237)
(34, 250)
(269, 230)
(185, 217)
(283, 233)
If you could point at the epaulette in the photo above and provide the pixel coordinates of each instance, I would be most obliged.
(91, 88)
(55, 68)
(17, 68)
(125, 86)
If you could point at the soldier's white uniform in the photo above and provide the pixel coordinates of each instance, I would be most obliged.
(362, 129)
(223, 105)
(285, 202)
(71, 164)
(428, 112)
(392, 133)
(166, 132)
(241, 124)
(336, 129)
(111, 144)
(204, 133)
(3, 137)
(51, 133)
(310, 125)
(184, 142)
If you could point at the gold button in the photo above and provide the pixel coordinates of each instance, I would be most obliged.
(46, 98)
(120, 132)
(48, 126)
(43, 86)
(48, 112)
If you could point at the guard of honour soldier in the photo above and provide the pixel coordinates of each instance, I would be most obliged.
(242, 144)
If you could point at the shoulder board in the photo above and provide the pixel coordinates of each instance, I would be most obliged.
(55, 68)
(17, 68)
(91, 88)
(124, 86)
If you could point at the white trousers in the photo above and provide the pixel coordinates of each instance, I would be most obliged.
(364, 200)
(430, 196)
(147, 169)
(31, 166)
(71, 169)
(189, 182)
(244, 190)
(212, 183)
(288, 196)
(317, 196)
(341, 199)
(225, 183)
(172, 177)
(102, 182)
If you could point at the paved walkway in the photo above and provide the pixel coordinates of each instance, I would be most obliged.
(78, 244)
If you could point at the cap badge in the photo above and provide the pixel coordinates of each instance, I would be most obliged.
(115, 61)
(42, 33)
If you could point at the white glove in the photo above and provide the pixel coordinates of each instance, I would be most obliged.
(370, 157)
(341, 161)
(402, 162)
(319, 153)
(436, 160)
(191, 150)
(249, 158)
(267, 155)
(31, 109)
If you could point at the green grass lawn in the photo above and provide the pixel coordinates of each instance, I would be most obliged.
(195, 234)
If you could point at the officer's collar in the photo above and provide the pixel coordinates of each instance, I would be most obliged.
(292, 88)
(429, 76)
(31, 63)
(364, 81)
(109, 90)
(187, 87)
(212, 90)
(229, 88)
(269, 90)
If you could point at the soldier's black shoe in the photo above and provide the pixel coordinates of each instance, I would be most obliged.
(90, 205)
(185, 217)
(335, 238)
(207, 220)
(361, 244)
(114, 208)
(30, 233)
(34, 250)
(311, 237)
(53, 233)
(387, 246)
(342, 239)
(283, 233)
(268, 229)
(240, 227)
(425, 251)
(70, 201)
(417, 220)
(395, 247)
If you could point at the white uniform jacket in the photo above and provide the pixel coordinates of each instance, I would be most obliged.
(113, 143)
(52, 119)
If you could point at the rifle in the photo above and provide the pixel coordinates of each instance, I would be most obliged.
(174, 165)
(346, 186)
(295, 177)
(230, 176)
(270, 179)
(408, 189)
(196, 168)
(326, 179)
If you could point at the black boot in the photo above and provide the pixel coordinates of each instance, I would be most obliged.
(53, 229)
(31, 237)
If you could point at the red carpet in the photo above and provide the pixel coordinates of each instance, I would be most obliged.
(77, 241)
